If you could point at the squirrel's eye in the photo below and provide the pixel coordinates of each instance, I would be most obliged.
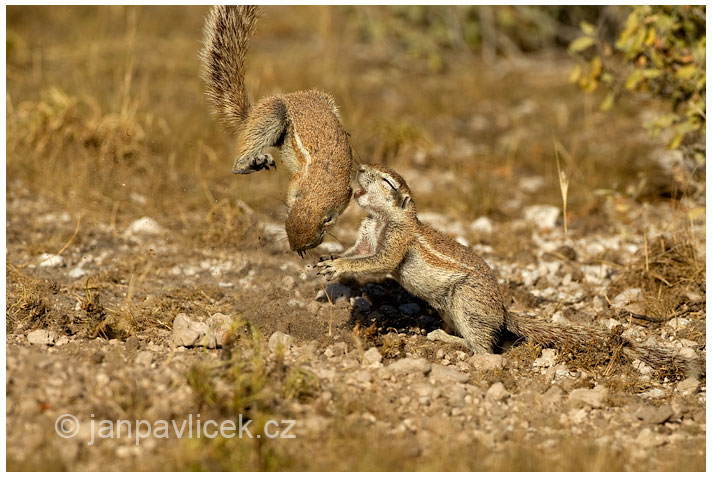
(390, 183)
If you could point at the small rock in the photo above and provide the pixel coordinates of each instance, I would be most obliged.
(288, 282)
(627, 297)
(689, 343)
(144, 226)
(42, 337)
(362, 376)
(388, 310)
(411, 309)
(455, 394)
(642, 367)
(567, 251)
(191, 333)
(486, 362)
(372, 357)
(144, 358)
(561, 371)
(331, 247)
(482, 225)
(131, 344)
(50, 260)
(374, 291)
(547, 359)
(77, 273)
(649, 439)
(63, 340)
(688, 353)
(442, 373)
(340, 348)
(653, 393)
(497, 392)
(583, 396)
(531, 184)
(600, 305)
(542, 216)
(654, 415)
(558, 318)
(374, 316)
(409, 365)
(552, 396)
(679, 407)
(689, 385)
(678, 323)
(425, 390)
(334, 292)
(360, 305)
(324, 373)
(279, 340)
(221, 326)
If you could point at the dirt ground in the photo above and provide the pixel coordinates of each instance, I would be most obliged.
(122, 214)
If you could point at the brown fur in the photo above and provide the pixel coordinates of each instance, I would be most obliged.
(305, 125)
(449, 276)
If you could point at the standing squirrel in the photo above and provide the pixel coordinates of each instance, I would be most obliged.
(305, 125)
(449, 276)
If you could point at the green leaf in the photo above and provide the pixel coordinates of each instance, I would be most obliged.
(608, 102)
(676, 140)
(686, 72)
(651, 73)
(581, 43)
(633, 79)
(587, 28)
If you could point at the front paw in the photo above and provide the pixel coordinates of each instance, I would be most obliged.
(329, 268)
(250, 164)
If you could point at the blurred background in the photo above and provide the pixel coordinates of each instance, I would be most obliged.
(106, 113)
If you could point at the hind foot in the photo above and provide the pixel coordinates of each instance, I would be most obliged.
(440, 335)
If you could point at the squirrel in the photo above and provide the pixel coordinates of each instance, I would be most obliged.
(453, 279)
(305, 125)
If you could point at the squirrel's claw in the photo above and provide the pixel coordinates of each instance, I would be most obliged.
(247, 165)
(326, 269)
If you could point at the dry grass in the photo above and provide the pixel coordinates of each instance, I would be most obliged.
(668, 271)
(128, 110)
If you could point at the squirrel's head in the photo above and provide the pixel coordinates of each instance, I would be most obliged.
(384, 192)
(313, 205)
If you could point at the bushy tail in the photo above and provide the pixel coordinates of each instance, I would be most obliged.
(580, 337)
(228, 29)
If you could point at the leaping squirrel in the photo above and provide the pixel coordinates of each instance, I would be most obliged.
(450, 277)
(305, 125)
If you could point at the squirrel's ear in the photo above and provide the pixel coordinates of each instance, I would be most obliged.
(405, 200)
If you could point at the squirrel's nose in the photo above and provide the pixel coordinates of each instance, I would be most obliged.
(362, 169)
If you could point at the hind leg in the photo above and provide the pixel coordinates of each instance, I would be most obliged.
(474, 322)
(265, 125)
(479, 339)
(460, 332)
